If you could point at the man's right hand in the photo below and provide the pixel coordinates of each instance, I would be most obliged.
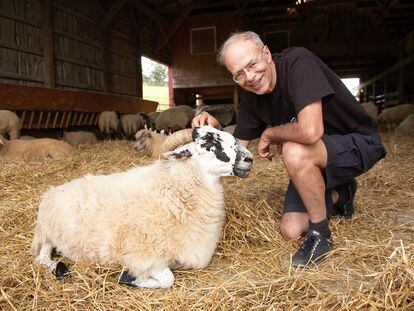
(205, 118)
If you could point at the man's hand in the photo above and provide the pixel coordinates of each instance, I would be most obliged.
(264, 148)
(205, 118)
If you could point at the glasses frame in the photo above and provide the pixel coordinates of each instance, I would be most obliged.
(248, 68)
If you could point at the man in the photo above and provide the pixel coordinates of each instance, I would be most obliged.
(294, 101)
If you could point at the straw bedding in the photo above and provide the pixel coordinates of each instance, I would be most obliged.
(371, 267)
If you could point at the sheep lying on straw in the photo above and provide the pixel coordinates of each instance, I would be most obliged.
(148, 219)
(150, 143)
(10, 124)
(76, 138)
(35, 149)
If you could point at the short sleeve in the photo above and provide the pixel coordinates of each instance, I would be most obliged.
(307, 82)
(249, 126)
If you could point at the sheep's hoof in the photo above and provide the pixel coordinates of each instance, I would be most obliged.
(61, 271)
(127, 279)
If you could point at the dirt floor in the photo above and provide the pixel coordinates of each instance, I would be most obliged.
(370, 268)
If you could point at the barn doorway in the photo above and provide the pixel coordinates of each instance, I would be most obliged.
(155, 80)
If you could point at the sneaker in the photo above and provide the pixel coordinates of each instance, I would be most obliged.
(345, 205)
(313, 250)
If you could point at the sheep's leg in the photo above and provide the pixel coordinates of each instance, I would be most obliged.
(160, 278)
(45, 256)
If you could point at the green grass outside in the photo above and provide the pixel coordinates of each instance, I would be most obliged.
(158, 94)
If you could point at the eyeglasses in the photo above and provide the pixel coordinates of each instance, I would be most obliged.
(240, 76)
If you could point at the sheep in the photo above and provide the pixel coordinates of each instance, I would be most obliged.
(76, 138)
(10, 124)
(395, 115)
(150, 119)
(406, 126)
(370, 109)
(108, 123)
(223, 113)
(175, 119)
(148, 219)
(149, 143)
(35, 149)
(131, 123)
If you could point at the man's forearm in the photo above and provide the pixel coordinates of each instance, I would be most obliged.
(292, 132)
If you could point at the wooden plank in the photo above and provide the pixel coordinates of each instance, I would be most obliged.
(55, 119)
(31, 119)
(404, 62)
(112, 12)
(48, 61)
(39, 121)
(62, 121)
(21, 97)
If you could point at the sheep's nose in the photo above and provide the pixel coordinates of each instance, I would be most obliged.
(248, 159)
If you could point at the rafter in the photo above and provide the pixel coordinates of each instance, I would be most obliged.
(112, 12)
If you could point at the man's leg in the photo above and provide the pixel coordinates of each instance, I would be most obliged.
(304, 164)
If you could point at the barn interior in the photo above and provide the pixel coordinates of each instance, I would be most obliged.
(63, 62)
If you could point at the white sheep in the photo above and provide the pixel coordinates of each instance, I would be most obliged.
(35, 149)
(175, 118)
(148, 219)
(10, 124)
(76, 138)
(406, 126)
(395, 115)
(108, 123)
(131, 123)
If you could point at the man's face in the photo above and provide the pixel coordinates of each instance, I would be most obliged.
(251, 66)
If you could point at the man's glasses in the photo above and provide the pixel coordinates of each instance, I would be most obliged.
(240, 77)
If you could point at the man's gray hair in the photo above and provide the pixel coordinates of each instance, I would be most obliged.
(243, 36)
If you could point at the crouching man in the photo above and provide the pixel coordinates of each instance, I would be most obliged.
(326, 139)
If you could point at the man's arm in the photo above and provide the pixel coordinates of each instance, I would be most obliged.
(307, 130)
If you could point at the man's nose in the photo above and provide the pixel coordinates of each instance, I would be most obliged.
(249, 75)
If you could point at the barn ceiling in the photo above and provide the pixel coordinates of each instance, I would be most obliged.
(394, 15)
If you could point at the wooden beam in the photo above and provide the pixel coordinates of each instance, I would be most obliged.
(148, 12)
(136, 20)
(112, 12)
(48, 57)
(176, 24)
(404, 62)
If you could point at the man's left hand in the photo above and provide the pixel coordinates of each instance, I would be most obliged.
(264, 148)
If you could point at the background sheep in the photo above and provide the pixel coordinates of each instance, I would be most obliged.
(108, 123)
(223, 113)
(395, 115)
(76, 138)
(10, 124)
(406, 126)
(148, 219)
(371, 109)
(35, 150)
(175, 119)
(149, 143)
(131, 123)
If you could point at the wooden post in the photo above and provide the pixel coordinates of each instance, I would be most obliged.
(401, 86)
(106, 43)
(48, 57)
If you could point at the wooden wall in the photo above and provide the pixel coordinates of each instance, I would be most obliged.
(62, 44)
(201, 70)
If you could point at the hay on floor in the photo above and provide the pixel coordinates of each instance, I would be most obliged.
(371, 266)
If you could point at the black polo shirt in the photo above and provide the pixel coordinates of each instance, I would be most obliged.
(302, 78)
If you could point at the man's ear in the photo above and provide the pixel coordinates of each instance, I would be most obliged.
(177, 154)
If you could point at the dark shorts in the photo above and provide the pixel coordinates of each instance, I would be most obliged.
(348, 157)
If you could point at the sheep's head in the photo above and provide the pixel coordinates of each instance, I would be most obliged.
(217, 151)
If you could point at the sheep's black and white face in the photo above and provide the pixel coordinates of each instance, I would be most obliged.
(221, 152)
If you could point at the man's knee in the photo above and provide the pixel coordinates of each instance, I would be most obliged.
(293, 225)
(293, 155)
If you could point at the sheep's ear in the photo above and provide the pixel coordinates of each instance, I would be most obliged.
(178, 154)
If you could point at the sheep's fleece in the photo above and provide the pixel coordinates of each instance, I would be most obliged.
(148, 219)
